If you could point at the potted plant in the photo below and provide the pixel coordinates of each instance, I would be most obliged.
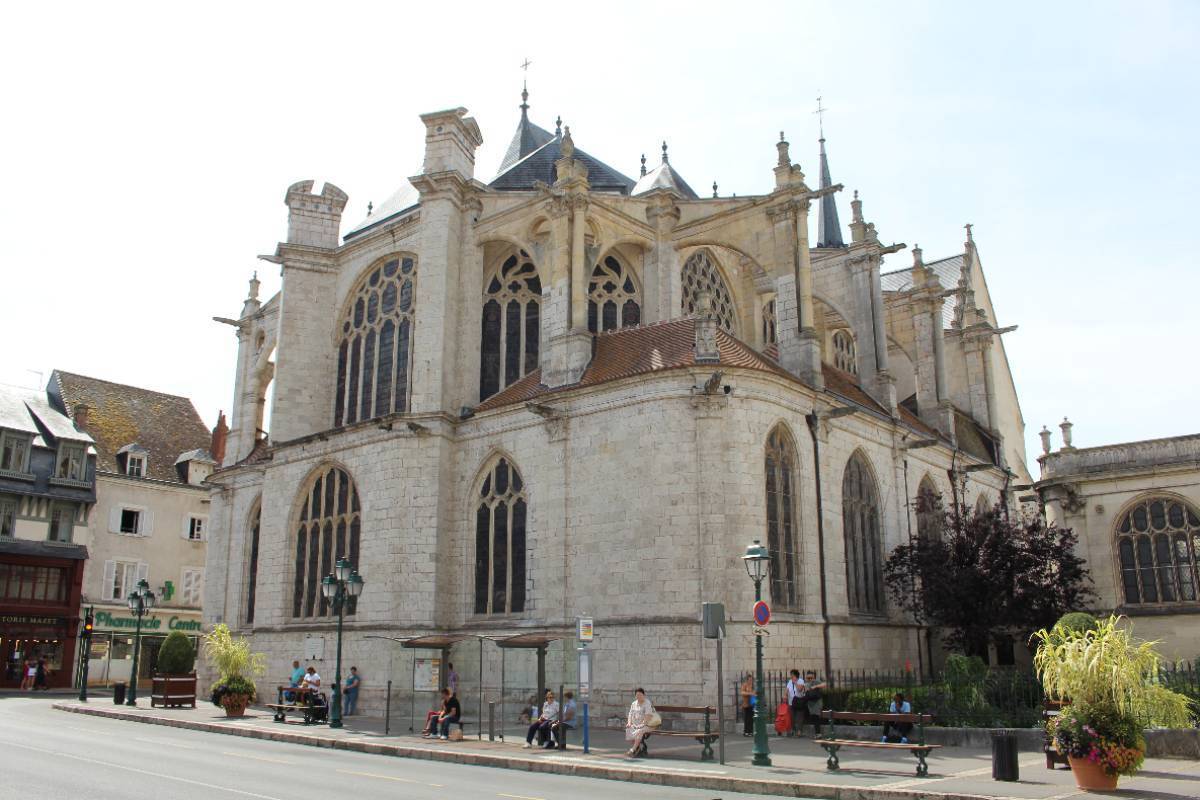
(174, 680)
(1107, 683)
(236, 668)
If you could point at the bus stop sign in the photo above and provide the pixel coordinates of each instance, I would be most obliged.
(762, 613)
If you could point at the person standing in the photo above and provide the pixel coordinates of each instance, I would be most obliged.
(746, 690)
(39, 676)
(811, 700)
(451, 679)
(297, 677)
(795, 691)
(350, 695)
(30, 673)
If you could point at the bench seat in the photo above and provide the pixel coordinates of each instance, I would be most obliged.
(917, 747)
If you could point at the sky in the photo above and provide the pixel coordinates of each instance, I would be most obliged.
(145, 149)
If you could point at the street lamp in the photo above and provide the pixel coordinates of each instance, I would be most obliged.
(757, 561)
(338, 588)
(141, 602)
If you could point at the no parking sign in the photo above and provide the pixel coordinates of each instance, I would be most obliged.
(762, 613)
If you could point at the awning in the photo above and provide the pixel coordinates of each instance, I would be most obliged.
(529, 640)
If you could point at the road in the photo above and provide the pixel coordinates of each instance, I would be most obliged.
(50, 753)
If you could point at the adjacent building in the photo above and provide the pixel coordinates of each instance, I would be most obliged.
(565, 391)
(47, 489)
(151, 516)
(1136, 509)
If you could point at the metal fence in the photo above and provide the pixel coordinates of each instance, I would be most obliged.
(1005, 697)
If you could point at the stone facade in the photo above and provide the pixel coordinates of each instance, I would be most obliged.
(1094, 489)
(642, 460)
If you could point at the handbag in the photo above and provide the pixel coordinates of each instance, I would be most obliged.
(456, 735)
(653, 720)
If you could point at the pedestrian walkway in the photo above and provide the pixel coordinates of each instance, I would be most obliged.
(798, 765)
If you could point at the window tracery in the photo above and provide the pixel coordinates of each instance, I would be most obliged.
(375, 349)
(1157, 543)
(329, 528)
(700, 273)
(252, 568)
(770, 334)
(613, 297)
(929, 510)
(511, 324)
(782, 541)
(500, 516)
(843, 352)
(863, 539)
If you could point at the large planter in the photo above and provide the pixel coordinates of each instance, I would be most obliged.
(173, 691)
(1091, 777)
(235, 704)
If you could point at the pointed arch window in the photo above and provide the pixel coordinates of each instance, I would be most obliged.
(929, 510)
(329, 527)
(1158, 549)
(700, 273)
(613, 297)
(844, 357)
(252, 563)
(374, 354)
(770, 334)
(509, 339)
(863, 538)
(782, 541)
(500, 517)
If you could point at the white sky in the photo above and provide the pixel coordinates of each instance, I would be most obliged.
(145, 149)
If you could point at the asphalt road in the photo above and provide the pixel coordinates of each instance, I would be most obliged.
(48, 753)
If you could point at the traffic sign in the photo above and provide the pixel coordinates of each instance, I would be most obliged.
(762, 613)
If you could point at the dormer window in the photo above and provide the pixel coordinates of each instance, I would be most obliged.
(72, 461)
(135, 466)
(14, 451)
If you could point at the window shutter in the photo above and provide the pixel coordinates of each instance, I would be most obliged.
(110, 578)
(114, 519)
(185, 529)
(147, 526)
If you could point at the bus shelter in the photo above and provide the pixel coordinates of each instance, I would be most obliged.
(538, 642)
(441, 644)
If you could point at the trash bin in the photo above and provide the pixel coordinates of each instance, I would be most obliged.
(1004, 757)
(118, 693)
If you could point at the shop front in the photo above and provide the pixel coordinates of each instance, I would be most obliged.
(110, 658)
(39, 610)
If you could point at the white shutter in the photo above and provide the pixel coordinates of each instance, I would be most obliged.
(110, 578)
(185, 531)
(114, 520)
(147, 523)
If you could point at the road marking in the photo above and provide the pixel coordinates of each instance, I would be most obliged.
(375, 775)
(258, 758)
(520, 796)
(144, 772)
(163, 741)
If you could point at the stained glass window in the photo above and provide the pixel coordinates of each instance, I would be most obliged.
(374, 354)
(863, 539)
(929, 510)
(782, 542)
(843, 352)
(613, 297)
(252, 569)
(500, 542)
(700, 273)
(509, 343)
(1157, 543)
(770, 334)
(329, 503)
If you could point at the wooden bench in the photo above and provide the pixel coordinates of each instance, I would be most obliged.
(1050, 710)
(298, 706)
(706, 737)
(917, 747)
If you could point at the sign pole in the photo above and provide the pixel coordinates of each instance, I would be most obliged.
(721, 696)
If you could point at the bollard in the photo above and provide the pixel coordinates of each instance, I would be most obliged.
(491, 720)
(387, 713)
(1005, 766)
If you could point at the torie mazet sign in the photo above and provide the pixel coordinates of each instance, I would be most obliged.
(105, 619)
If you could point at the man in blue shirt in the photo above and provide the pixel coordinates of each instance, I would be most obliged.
(899, 706)
(297, 677)
(350, 695)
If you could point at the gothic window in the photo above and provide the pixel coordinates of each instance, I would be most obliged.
(769, 333)
(700, 273)
(843, 352)
(982, 506)
(1158, 544)
(374, 353)
(782, 541)
(252, 561)
(500, 542)
(863, 539)
(613, 297)
(929, 510)
(328, 528)
(512, 305)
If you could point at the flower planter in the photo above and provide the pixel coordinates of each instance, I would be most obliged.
(173, 691)
(235, 704)
(1090, 776)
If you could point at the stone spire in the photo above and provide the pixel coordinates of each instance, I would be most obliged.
(829, 229)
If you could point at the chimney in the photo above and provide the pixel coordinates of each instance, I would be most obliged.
(81, 415)
(219, 433)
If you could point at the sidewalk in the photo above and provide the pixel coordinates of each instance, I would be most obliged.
(798, 765)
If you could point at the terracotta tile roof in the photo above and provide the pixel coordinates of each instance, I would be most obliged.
(847, 386)
(640, 350)
(166, 425)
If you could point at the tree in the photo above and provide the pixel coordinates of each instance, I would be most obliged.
(986, 576)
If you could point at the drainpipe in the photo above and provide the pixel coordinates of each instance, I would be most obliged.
(912, 578)
(812, 420)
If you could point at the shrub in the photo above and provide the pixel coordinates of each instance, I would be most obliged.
(233, 686)
(176, 656)
(1078, 621)
(236, 665)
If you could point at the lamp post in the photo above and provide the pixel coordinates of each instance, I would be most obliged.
(756, 561)
(141, 602)
(338, 588)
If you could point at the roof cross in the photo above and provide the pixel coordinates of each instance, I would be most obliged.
(525, 65)
(820, 112)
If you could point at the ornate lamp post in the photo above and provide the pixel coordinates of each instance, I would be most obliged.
(756, 561)
(338, 588)
(141, 602)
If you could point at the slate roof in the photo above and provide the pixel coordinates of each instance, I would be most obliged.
(528, 137)
(948, 271)
(166, 425)
(664, 176)
(405, 199)
(829, 229)
(25, 547)
(539, 166)
(28, 411)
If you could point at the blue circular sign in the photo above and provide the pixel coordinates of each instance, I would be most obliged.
(762, 613)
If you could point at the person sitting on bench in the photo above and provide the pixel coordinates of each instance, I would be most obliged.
(543, 726)
(567, 723)
(902, 729)
(450, 714)
(637, 721)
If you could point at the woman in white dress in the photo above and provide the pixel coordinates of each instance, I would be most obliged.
(636, 727)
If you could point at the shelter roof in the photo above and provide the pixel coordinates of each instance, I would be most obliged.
(435, 641)
(530, 640)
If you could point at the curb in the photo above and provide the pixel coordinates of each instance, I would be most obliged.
(778, 788)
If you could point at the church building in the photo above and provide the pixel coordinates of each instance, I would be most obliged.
(563, 391)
